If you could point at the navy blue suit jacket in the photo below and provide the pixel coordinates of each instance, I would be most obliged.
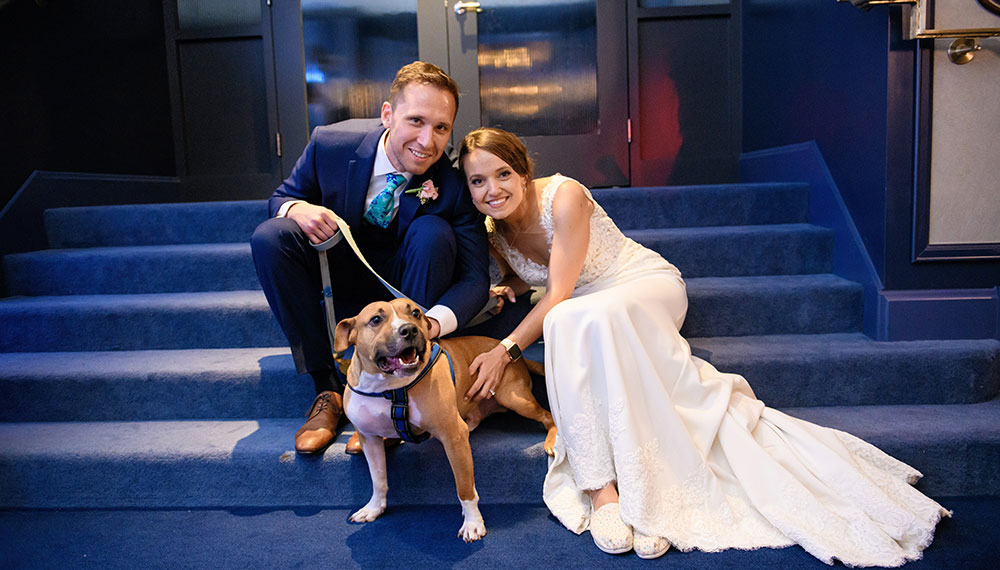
(334, 171)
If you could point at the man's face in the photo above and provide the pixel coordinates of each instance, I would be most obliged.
(419, 127)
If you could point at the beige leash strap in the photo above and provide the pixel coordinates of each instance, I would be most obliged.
(324, 269)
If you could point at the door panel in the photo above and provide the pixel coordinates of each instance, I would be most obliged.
(553, 73)
(223, 97)
(685, 94)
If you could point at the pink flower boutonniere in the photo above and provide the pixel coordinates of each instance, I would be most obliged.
(426, 192)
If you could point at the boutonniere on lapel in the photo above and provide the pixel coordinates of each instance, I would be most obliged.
(426, 192)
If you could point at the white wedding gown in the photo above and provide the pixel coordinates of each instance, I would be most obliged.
(697, 458)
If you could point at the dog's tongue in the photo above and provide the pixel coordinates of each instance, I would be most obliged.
(407, 358)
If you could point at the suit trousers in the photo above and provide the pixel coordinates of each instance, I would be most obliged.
(421, 264)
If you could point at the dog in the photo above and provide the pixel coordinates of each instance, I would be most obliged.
(391, 350)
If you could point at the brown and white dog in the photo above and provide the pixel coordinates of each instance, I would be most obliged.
(391, 347)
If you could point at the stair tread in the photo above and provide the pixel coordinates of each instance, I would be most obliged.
(252, 462)
(219, 438)
(243, 297)
(185, 361)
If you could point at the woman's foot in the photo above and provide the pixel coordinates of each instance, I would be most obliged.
(610, 534)
(649, 547)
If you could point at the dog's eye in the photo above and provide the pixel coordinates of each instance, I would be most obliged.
(375, 321)
(416, 313)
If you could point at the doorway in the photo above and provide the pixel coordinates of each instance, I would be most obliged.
(552, 72)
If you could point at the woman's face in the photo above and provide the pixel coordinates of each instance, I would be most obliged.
(497, 190)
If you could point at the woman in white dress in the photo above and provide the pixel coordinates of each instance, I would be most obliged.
(655, 446)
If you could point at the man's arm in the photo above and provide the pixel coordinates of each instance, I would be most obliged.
(470, 286)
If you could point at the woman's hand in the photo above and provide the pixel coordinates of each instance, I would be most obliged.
(488, 368)
(502, 292)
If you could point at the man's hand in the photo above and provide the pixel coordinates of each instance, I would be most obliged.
(316, 221)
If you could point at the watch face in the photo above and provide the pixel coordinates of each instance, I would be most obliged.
(514, 351)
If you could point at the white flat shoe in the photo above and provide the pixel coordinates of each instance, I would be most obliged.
(649, 547)
(610, 534)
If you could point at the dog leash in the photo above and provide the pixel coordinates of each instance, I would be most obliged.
(400, 412)
(324, 269)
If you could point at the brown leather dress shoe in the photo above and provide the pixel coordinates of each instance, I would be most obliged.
(354, 444)
(320, 428)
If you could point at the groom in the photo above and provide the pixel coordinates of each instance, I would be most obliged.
(434, 251)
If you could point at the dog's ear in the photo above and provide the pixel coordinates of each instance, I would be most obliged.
(344, 336)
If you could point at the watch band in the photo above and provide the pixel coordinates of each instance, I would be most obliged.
(513, 351)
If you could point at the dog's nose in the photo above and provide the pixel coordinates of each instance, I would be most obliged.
(408, 331)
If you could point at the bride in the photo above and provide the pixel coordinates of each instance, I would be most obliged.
(656, 447)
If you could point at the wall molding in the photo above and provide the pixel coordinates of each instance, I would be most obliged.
(940, 314)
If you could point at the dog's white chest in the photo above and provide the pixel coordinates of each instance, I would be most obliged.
(371, 415)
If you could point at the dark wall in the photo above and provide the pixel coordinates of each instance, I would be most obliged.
(85, 89)
(817, 70)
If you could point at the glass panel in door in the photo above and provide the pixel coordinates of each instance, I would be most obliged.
(353, 49)
(551, 71)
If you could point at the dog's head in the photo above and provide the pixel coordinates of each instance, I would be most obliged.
(389, 337)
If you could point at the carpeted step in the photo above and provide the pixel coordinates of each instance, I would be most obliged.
(233, 319)
(252, 463)
(632, 208)
(732, 306)
(780, 249)
(784, 370)
(140, 269)
(212, 384)
(154, 224)
(854, 370)
(792, 304)
(708, 205)
(699, 252)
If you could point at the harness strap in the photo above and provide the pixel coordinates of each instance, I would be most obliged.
(400, 410)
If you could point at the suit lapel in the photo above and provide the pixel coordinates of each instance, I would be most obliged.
(408, 204)
(359, 174)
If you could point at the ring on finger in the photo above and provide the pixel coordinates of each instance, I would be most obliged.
(492, 393)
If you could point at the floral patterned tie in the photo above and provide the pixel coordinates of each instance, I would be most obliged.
(380, 210)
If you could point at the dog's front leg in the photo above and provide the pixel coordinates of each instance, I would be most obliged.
(460, 456)
(375, 455)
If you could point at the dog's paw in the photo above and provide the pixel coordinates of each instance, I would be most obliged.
(472, 530)
(550, 443)
(367, 513)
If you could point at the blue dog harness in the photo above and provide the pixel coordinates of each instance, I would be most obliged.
(400, 411)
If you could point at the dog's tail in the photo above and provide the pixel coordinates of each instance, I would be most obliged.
(536, 368)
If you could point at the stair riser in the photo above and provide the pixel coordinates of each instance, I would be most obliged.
(154, 224)
(148, 329)
(131, 273)
(281, 393)
(685, 207)
(39, 328)
(743, 254)
(762, 312)
(215, 222)
(732, 252)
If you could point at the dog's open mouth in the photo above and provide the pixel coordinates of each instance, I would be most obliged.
(405, 361)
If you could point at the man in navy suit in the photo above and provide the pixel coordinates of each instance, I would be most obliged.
(434, 252)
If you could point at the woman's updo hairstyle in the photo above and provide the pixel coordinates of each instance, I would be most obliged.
(501, 144)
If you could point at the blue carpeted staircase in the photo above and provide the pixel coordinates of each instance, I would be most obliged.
(145, 383)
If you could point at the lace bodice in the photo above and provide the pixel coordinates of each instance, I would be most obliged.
(610, 253)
